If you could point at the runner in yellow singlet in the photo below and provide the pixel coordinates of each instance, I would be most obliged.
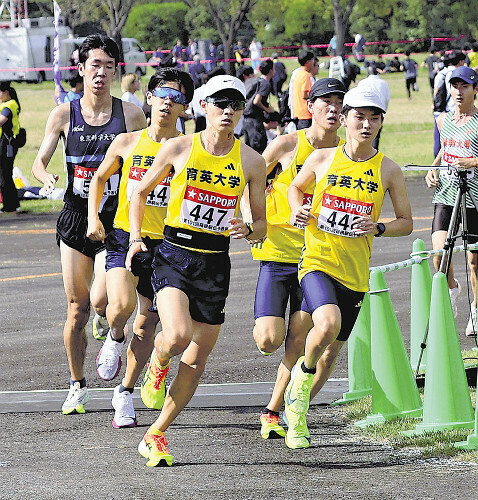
(169, 90)
(278, 283)
(351, 181)
(191, 268)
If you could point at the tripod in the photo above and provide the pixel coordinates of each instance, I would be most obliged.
(459, 207)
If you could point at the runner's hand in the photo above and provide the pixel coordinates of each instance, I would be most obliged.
(464, 163)
(432, 178)
(95, 231)
(238, 228)
(302, 216)
(49, 184)
(364, 225)
(135, 248)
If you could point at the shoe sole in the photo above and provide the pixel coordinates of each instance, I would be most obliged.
(80, 409)
(117, 371)
(306, 444)
(273, 435)
(116, 426)
(163, 462)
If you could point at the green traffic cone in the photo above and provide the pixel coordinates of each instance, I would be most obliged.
(447, 402)
(394, 390)
(421, 290)
(358, 356)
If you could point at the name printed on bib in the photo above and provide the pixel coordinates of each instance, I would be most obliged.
(307, 200)
(82, 177)
(207, 210)
(339, 215)
(158, 197)
(452, 172)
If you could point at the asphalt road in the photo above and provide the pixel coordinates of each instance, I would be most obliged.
(218, 451)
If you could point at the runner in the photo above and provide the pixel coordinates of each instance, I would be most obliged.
(87, 126)
(351, 182)
(278, 283)
(191, 268)
(169, 91)
(459, 148)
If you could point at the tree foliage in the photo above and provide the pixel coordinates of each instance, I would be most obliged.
(157, 24)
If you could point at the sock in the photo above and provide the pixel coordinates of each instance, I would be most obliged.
(308, 370)
(119, 340)
(82, 382)
(266, 410)
(122, 388)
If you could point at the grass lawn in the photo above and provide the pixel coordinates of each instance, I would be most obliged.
(407, 135)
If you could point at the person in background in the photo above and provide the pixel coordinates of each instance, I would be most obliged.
(157, 57)
(304, 78)
(255, 50)
(10, 126)
(358, 47)
(280, 75)
(76, 91)
(131, 83)
(197, 71)
(431, 64)
(409, 67)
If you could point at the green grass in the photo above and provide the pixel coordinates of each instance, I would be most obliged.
(407, 135)
(427, 445)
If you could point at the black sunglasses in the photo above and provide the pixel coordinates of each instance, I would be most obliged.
(224, 102)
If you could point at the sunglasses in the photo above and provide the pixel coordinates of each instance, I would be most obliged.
(224, 102)
(168, 93)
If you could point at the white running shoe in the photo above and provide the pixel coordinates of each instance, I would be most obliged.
(76, 399)
(454, 292)
(108, 361)
(470, 330)
(122, 402)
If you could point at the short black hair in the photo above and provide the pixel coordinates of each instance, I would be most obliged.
(407, 52)
(304, 56)
(98, 41)
(244, 71)
(266, 66)
(164, 75)
(75, 80)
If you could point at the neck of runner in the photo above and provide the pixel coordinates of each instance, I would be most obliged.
(464, 114)
(359, 152)
(216, 143)
(162, 134)
(320, 138)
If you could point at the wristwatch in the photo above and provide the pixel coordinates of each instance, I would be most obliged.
(380, 229)
(250, 228)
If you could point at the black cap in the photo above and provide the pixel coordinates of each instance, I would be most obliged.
(326, 86)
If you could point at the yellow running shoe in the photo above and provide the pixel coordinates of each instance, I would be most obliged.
(270, 428)
(76, 399)
(298, 435)
(100, 327)
(154, 447)
(153, 388)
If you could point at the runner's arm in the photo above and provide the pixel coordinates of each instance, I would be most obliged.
(134, 117)
(56, 125)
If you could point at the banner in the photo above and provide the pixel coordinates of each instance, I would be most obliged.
(60, 91)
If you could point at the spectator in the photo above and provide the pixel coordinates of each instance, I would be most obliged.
(76, 91)
(303, 81)
(244, 73)
(191, 49)
(255, 50)
(280, 75)
(10, 126)
(332, 48)
(350, 71)
(271, 123)
(157, 57)
(257, 95)
(409, 67)
(358, 47)
(197, 71)
(393, 65)
(130, 83)
(473, 57)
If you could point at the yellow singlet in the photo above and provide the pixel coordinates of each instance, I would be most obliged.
(206, 193)
(135, 166)
(348, 189)
(284, 242)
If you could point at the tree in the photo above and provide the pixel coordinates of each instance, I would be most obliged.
(157, 24)
(342, 11)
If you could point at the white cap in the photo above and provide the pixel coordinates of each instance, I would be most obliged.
(223, 82)
(363, 97)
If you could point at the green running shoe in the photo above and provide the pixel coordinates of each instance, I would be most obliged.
(154, 447)
(270, 428)
(153, 388)
(100, 327)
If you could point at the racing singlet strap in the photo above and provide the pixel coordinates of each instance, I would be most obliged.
(284, 241)
(134, 167)
(205, 194)
(457, 142)
(85, 148)
(348, 190)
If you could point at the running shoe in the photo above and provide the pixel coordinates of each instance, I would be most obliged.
(270, 428)
(122, 402)
(470, 330)
(108, 361)
(154, 447)
(454, 293)
(153, 388)
(264, 353)
(298, 435)
(76, 399)
(100, 327)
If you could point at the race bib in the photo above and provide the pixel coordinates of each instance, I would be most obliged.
(81, 180)
(207, 210)
(339, 215)
(159, 197)
(306, 201)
